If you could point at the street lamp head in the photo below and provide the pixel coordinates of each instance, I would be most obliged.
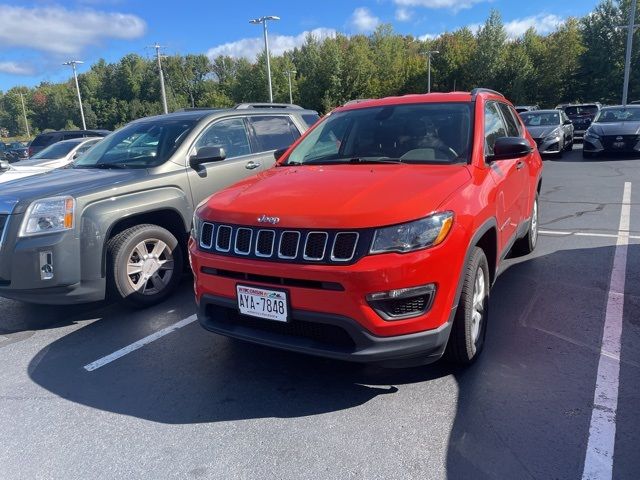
(72, 62)
(272, 17)
(257, 21)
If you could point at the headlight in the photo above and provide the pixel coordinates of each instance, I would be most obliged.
(590, 134)
(426, 232)
(194, 226)
(49, 215)
(554, 134)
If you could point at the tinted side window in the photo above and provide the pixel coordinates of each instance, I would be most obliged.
(512, 123)
(274, 132)
(229, 134)
(42, 140)
(494, 127)
(310, 118)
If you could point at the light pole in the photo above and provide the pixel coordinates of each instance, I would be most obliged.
(162, 89)
(73, 64)
(289, 73)
(429, 53)
(263, 21)
(627, 62)
(24, 113)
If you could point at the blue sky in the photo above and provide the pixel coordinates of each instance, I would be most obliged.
(35, 37)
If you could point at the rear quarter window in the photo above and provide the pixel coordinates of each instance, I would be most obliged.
(274, 132)
(42, 140)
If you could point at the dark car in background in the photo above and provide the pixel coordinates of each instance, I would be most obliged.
(526, 108)
(43, 140)
(581, 115)
(615, 130)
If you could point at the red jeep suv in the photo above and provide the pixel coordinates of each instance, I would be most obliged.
(377, 235)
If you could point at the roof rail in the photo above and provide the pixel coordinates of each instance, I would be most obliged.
(195, 109)
(244, 106)
(478, 90)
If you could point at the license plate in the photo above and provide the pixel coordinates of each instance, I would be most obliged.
(618, 144)
(263, 303)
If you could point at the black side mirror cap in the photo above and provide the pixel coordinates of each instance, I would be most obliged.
(507, 148)
(207, 155)
(278, 153)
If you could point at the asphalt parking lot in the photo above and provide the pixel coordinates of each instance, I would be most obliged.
(187, 404)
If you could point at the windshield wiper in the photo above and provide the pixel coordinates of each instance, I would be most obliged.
(104, 166)
(374, 160)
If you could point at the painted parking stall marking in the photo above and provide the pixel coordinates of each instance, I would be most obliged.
(101, 362)
(598, 462)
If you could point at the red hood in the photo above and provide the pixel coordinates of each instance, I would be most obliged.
(337, 196)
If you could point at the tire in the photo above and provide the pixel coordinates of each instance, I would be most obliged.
(140, 280)
(527, 244)
(469, 328)
(570, 145)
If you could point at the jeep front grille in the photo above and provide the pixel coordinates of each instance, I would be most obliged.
(301, 246)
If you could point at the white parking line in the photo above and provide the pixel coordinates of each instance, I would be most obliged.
(101, 362)
(598, 463)
(567, 233)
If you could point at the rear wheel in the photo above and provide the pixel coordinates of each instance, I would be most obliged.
(470, 323)
(145, 263)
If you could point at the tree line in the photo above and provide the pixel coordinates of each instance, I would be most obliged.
(581, 60)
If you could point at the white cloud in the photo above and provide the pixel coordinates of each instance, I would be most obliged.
(14, 68)
(63, 31)
(543, 23)
(403, 14)
(362, 20)
(455, 5)
(278, 44)
(429, 36)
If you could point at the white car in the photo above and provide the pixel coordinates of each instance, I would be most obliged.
(54, 156)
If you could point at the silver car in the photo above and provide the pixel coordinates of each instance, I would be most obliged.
(551, 129)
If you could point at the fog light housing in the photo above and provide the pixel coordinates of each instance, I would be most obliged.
(46, 265)
(402, 303)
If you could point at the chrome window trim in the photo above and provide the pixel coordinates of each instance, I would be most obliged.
(297, 245)
(235, 241)
(213, 229)
(220, 227)
(273, 242)
(324, 249)
(353, 252)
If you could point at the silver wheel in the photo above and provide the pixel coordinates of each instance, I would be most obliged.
(477, 313)
(150, 266)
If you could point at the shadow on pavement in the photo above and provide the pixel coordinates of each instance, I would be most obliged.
(523, 410)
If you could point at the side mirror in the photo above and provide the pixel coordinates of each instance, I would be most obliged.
(567, 122)
(510, 147)
(278, 153)
(207, 155)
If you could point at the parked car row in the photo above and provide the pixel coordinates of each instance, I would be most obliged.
(375, 236)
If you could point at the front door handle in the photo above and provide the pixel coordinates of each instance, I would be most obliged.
(520, 165)
(252, 165)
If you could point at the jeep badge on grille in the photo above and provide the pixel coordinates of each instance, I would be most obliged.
(271, 220)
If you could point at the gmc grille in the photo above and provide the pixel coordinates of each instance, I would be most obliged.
(302, 246)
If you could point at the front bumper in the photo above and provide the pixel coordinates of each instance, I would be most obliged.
(324, 335)
(593, 145)
(549, 146)
(20, 269)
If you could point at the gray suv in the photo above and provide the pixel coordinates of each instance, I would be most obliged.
(119, 218)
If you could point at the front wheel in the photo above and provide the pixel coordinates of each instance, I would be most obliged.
(470, 323)
(145, 263)
(527, 244)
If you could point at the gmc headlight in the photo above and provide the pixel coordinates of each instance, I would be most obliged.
(406, 237)
(55, 214)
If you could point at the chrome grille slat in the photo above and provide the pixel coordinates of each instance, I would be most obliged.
(223, 237)
(262, 234)
(338, 238)
(206, 235)
(297, 243)
(312, 243)
(243, 236)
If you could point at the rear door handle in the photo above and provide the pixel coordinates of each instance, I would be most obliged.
(252, 165)
(520, 165)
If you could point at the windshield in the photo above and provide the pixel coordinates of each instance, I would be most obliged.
(55, 151)
(612, 115)
(581, 110)
(414, 133)
(138, 145)
(541, 119)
